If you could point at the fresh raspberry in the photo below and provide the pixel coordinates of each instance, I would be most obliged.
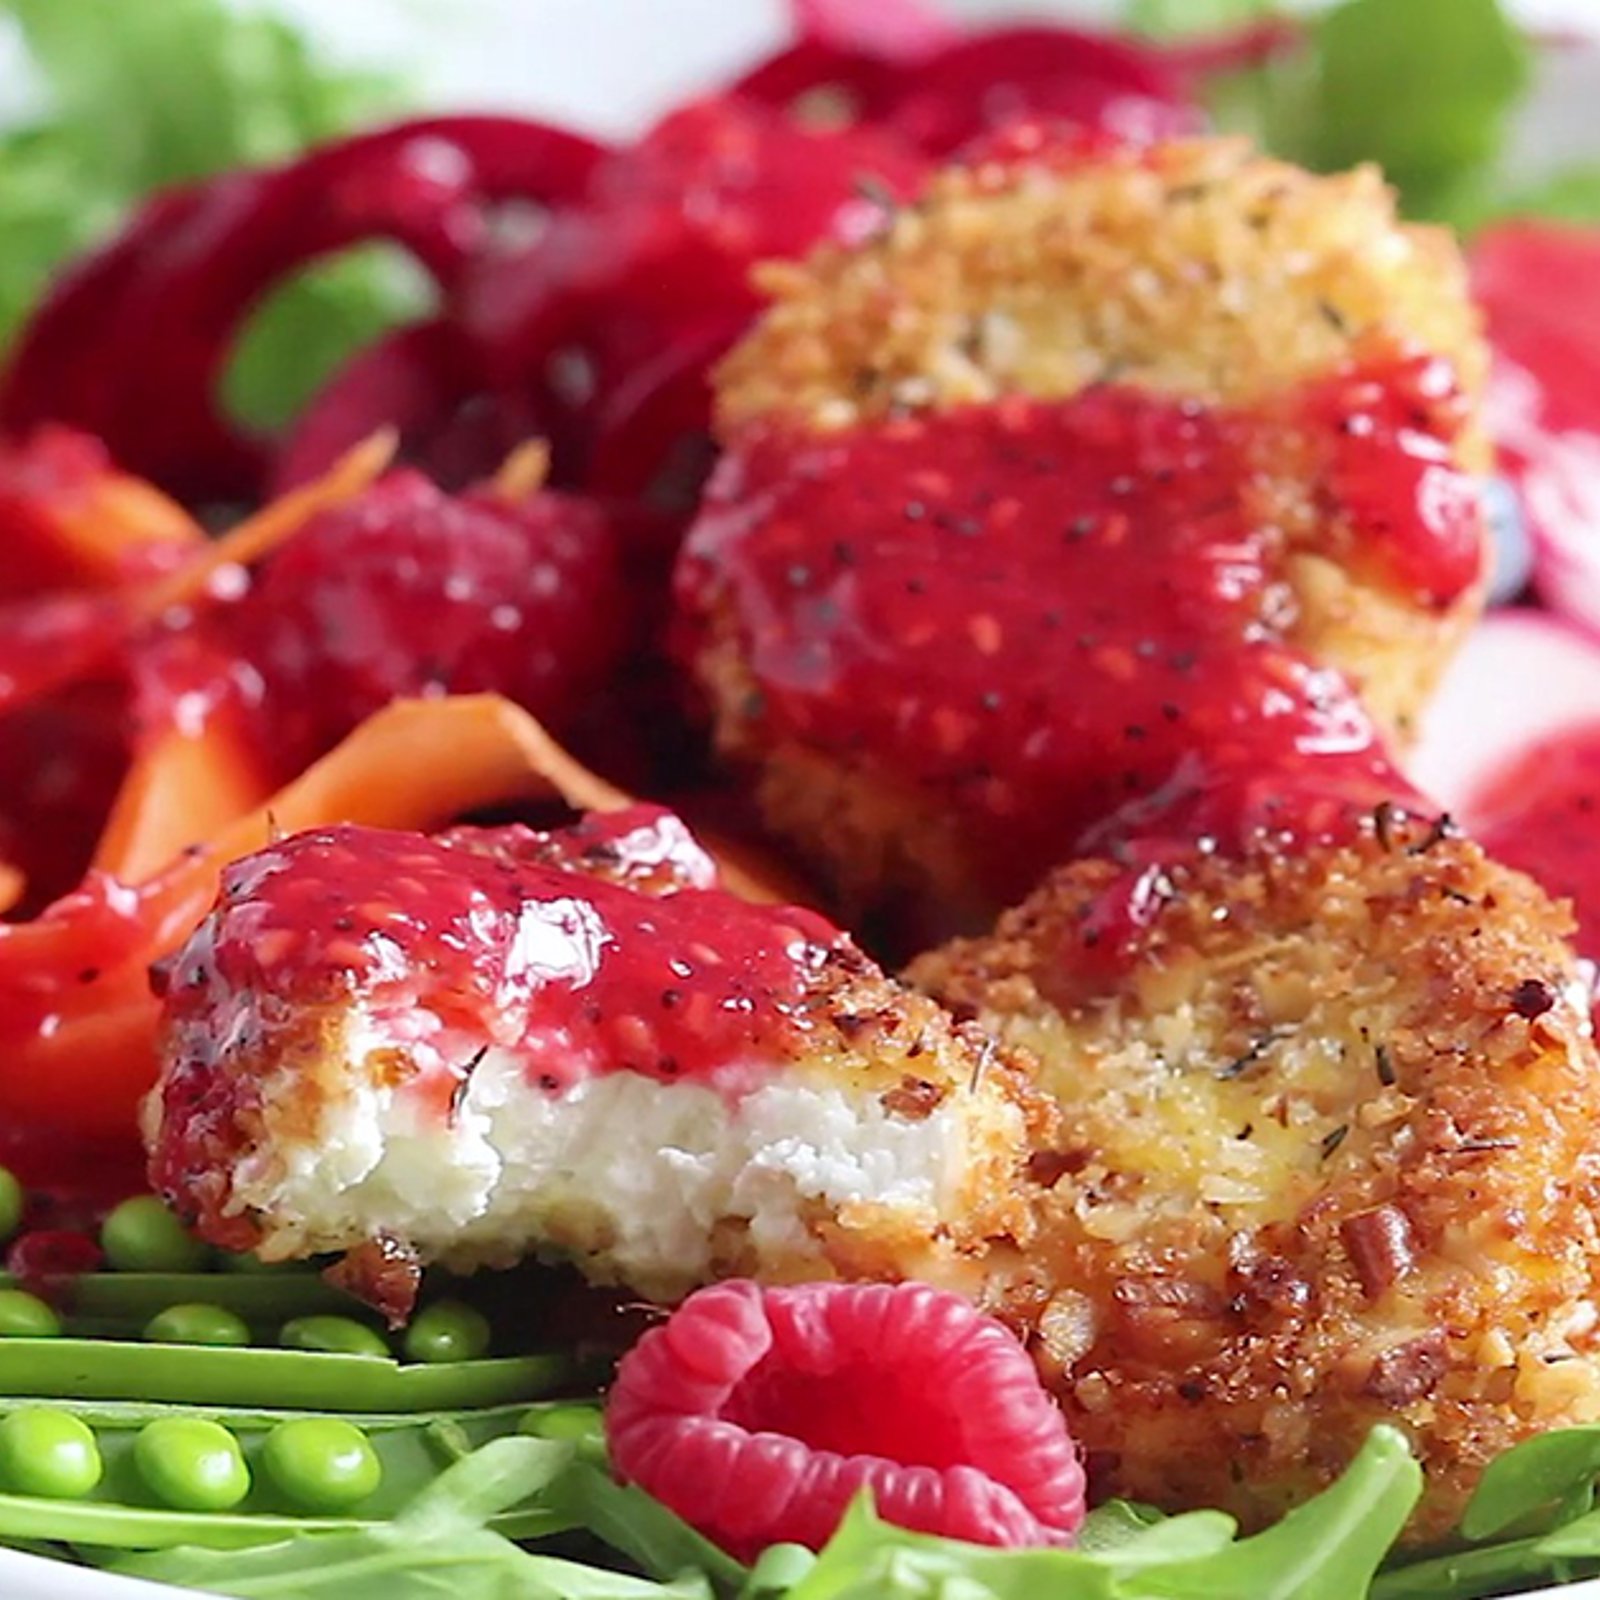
(759, 1414)
(410, 591)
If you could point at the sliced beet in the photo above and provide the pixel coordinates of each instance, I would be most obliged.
(132, 342)
(986, 80)
(427, 382)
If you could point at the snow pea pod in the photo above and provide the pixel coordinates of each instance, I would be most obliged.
(123, 1510)
(113, 1303)
(113, 1369)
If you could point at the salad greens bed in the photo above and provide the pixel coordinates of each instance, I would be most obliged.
(473, 1460)
(1531, 1521)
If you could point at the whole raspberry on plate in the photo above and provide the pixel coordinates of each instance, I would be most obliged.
(759, 1414)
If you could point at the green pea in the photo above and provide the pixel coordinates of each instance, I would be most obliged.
(197, 1324)
(12, 1201)
(49, 1452)
(564, 1422)
(342, 1335)
(779, 1568)
(447, 1331)
(322, 1463)
(141, 1235)
(191, 1464)
(580, 1425)
(26, 1316)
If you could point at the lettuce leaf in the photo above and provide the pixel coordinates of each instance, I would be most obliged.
(138, 96)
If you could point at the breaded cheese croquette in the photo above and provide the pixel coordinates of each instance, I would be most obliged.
(1326, 1158)
(474, 1048)
(1197, 268)
(1190, 360)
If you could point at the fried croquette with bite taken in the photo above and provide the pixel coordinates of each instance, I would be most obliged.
(499, 1043)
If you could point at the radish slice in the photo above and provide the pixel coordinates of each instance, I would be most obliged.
(1523, 677)
(1537, 285)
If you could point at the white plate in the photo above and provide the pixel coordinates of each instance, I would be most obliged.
(609, 66)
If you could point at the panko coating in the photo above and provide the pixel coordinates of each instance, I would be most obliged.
(1325, 360)
(1327, 1156)
(499, 1043)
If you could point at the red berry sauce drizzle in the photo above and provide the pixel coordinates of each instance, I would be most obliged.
(602, 949)
(1063, 621)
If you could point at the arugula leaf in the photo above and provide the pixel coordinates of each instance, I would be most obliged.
(1116, 1523)
(501, 1474)
(141, 96)
(1569, 194)
(630, 1521)
(1425, 88)
(1327, 1549)
(1553, 1469)
(151, 95)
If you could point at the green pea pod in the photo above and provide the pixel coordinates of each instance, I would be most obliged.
(124, 1509)
(117, 1304)
(109, 1369)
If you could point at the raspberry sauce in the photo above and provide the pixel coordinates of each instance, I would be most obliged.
(1065, 623)
(595, 951)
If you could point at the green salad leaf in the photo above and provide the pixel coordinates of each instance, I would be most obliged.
(1328, 1549)
(138, 96)
(1552, 1472)
(641, 1528)
(1425, 88)
(1166, 19)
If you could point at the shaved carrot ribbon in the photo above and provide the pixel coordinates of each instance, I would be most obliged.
(77, 1017)
(94, 532)
(57, 639)
(259, 534)
(182, 789)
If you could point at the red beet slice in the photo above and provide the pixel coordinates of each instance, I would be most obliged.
(759, 1414)
(894, 30)
(1095, 80)
(131, 343)
(426, 381)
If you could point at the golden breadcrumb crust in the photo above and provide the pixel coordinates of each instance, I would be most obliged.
(1326, 1157)
(1196, 267)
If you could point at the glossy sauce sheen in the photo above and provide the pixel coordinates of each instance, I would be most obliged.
(599, 949)
(1065, 620)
